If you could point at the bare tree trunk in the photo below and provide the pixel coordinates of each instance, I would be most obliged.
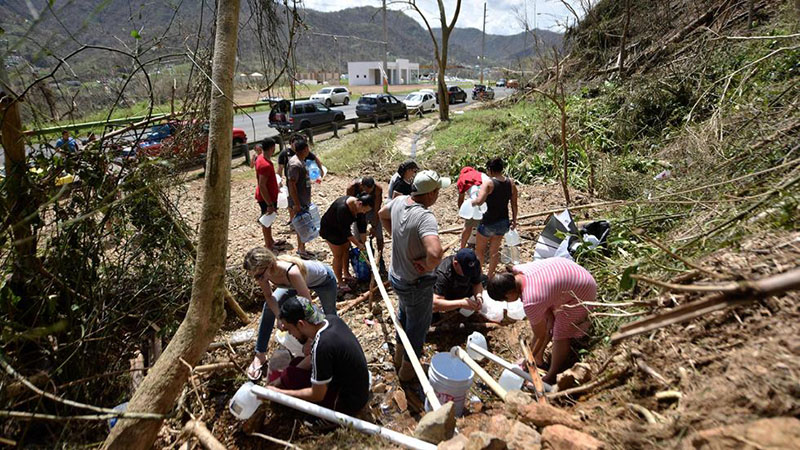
(623, 41)
(206, 313)
(17, 202)
(444, 94)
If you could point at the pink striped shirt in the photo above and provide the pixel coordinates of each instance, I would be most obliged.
(557, 286)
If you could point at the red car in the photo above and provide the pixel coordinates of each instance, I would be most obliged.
(182, 138)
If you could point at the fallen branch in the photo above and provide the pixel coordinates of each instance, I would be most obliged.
(644, 367)
(538, 385)
(23, 415)
(749, 291)
(588, 386)
(686, 262)
(215, 366)
(353, 303)
(198, 430)
(727, 287)
(644, 412)
(275, 440)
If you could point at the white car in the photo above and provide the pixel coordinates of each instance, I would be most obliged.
(425, 101)
(332, 95)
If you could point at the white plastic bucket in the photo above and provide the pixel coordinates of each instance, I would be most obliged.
(244, 403)
(451, 380)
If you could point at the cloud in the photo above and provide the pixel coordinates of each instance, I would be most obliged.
(502, 16)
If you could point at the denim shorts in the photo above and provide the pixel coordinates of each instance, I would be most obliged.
(499, 228)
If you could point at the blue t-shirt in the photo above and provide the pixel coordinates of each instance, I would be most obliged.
(70, 145)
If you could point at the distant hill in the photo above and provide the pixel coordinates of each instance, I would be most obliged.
(110, 22)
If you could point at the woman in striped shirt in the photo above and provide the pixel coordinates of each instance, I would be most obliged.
(552, 291)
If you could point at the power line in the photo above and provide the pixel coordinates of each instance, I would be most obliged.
(337, 36)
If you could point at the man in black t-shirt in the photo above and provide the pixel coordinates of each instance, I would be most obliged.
(458, 282)
(339, 378)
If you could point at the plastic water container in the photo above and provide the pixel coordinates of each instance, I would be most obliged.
(244, 403)
(510, 381)
(122, 407)
(266, 220)
(451, 380)
(314, 210)
(466, 312)
(289, 342)
(303, 224)
(479, 340)
(516, 310)
(314, 172)
(492, 309)
(509, 254)
(283, 197)
(512, 238)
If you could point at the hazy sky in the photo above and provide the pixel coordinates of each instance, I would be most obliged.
(501, 15)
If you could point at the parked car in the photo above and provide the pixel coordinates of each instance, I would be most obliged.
(482, 92)
(286, 116)
(456, 94)
(512, 84)
(381, 106)
(332, 96)
(420, 101)
(165, 140)
(500, 83)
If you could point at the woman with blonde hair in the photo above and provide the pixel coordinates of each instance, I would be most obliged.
(293, 277)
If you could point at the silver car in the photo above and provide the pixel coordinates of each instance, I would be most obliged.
(332, 96)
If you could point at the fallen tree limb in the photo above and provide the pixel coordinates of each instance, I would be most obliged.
(538, 385)
(214, 366)
(588, 386)
(727, 287)
(275, 440)
(355, 302)
(749, 291)
(644, 367)
(198, 430)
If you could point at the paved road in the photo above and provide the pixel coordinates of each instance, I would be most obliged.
(256, 124)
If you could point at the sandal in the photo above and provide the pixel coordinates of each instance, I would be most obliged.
(306, 255)
(344, 289)
(254, 371)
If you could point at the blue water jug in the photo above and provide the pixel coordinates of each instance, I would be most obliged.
(313, 171)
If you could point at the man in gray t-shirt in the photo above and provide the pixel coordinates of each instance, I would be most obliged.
(416, 252)
(299, 186)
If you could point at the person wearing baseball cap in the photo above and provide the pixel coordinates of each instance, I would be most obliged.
(339, 378)
(416, 252)
(458, 282)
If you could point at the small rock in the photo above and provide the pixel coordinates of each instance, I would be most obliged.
(479, 440)
(379, 388)
(541, 415)
(777, 432)
(476, 406)
(437, 426)
(458, 442)
(579, 374)
(559, 437)
(498, 425)
(523, 437)
(400, 399)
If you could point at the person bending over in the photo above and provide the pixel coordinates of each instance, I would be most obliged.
(338, 378)
(293, 276)
(335, 228)
(367, 185)
(552, 291)
(458, 283)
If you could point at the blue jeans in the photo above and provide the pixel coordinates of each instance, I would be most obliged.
(498, 228)
(415, 309)
(327, 296)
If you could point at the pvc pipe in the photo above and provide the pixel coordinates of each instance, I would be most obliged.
(502, 362)
(430, 394)
(342, 419)
(499, 390)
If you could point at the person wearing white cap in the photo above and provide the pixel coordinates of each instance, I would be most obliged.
(416, 252)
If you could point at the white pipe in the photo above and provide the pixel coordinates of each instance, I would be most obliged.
(502, 362)
(430, 394)
(342, 419)
(494, 385)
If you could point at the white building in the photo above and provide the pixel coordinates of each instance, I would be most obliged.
(365, 73)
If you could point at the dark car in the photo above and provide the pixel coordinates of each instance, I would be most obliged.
(500, 83)
(381, 106)
(287, 116)
(456, 94)
(482, 92)
(180, 138)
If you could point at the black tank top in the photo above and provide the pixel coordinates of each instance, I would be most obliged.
(497, 202)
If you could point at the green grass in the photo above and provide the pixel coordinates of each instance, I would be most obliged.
(369, 152)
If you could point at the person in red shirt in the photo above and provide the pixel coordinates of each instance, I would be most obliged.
(266, 186)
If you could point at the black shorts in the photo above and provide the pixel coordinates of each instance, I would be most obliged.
(263, 206)
(335, 237)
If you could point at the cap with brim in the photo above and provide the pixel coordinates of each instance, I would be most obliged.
(301, 308)
(468, 261)
(428, 181)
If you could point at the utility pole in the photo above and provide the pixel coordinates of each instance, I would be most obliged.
(483, 41)
(385, 53)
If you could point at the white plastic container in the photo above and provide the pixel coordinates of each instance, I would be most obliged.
(283, 198)
(451, 380)
(515, 310)
(492, 309)
(510, 381)
(303, 224)
(512, 238)
(313, 209)
(289, 342)
(478, 339)
(244, 403)
(266, 220)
